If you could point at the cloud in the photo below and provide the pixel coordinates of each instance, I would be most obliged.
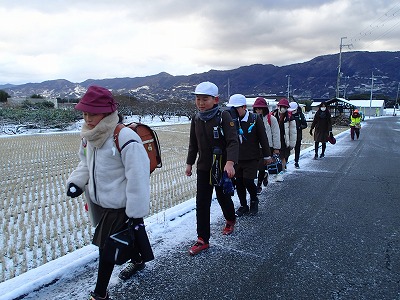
(77, 40)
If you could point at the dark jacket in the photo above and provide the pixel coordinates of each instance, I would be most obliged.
(301, 123)
(251, 142)
(201, 141)
(322, 124)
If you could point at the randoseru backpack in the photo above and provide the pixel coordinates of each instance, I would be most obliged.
(150, 142)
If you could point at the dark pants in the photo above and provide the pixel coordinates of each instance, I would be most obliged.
(246, 172)
(323, 146)
(354, 130)
(243, 184)
(297, 151)
(112, 221)
(203, 204)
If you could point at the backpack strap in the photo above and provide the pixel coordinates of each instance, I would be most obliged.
(254, 119)
(269, 118)
(116, 133)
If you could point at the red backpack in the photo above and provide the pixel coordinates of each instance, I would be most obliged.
(150, 142)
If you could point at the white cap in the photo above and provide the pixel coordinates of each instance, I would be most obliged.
(237, 100)
(206, 88)
(293, 106)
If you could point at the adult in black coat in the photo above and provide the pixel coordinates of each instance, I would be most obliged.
(323, 128)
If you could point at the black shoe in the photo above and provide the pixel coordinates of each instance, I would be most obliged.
(322, 155)
(296, 165)
(316, 156)
(131, 269)
(254, 207)
(94, 296)
(242, 210)
(265, 180)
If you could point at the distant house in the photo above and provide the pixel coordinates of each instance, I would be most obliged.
(272, 101)
(337, 106)
(370, 107)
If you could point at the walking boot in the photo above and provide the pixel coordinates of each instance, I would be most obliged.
(254, 206)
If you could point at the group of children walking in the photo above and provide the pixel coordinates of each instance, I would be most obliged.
(226, 145)
(245, 142)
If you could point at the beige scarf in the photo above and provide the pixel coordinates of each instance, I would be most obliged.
(99, 134)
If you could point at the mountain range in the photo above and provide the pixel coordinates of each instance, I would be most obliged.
(313, 79)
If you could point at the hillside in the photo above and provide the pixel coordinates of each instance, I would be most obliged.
(308, 80)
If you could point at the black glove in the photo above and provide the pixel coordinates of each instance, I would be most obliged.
(133, 224)
(74, 190)
(310, 131)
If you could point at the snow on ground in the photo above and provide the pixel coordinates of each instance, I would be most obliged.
(176, 225)
(153, 122)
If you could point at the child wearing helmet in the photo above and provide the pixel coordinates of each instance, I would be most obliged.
(355, 124)
(271, 126)
(212, 139)
(251, 136)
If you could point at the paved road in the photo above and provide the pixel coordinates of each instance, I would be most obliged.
(331, 230)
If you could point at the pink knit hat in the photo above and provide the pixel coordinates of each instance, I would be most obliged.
(97, 100)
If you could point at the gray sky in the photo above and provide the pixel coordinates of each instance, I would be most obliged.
(93, 39)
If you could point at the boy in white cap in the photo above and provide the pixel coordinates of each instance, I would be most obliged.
(252, 135)
(212, 138)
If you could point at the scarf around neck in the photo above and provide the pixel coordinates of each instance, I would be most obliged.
(103, 130)
(208, 114)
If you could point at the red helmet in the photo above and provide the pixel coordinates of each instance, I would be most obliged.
(260, 103)
(283, 102)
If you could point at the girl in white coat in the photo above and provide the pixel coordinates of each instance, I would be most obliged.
(116, 184)
(271, 125)
(288, 132)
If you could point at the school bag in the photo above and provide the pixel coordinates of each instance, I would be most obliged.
(276, 166)
(150, 142)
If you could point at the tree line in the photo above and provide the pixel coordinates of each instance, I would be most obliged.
(43, 115)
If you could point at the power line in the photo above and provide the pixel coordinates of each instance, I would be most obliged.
(374, 30)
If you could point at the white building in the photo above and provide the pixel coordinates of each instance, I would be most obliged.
(272, 102)
(370, 107)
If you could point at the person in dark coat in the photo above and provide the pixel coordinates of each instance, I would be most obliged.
(323, 128)
(252, 135)
(301, 123)
(212, 139)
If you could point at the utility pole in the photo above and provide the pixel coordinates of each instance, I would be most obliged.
(340, 64)
(288, 87)
(345, 86)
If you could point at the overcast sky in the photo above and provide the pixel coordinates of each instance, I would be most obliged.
(94, 39)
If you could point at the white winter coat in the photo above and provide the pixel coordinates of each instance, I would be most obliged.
(112, 179)
(289, 126)
(290, 133)
(273, 132)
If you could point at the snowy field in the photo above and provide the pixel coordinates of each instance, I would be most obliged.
(39, 222)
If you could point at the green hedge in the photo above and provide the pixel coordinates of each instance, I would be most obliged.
(40, 118)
